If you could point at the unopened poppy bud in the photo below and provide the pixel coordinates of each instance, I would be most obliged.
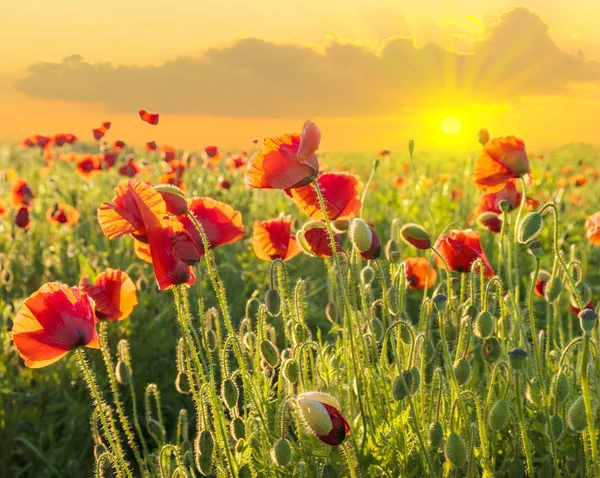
(204, 464)
(211, 338)
(405, 328)
(471, 311)
(240, 445)
(237, 428)
(390, 247)
(416, 380)
(416, 236)
(490, 221)
(291, 370)
(455, 450)
(411, 147)
(462, 371)
(230, 394)
(360, 235)
(491, 349)
(499, 415)
(341, 225)
(585, 293)
(281, 453)
(553, 289)
(269, 352)
(377, 327)
(249, 340)
(504, 205)
(535, 249)
(435, 435)
(245, 471)
(273, 302)
(331, 311)
(173, 197)
(561, 386)
(204, 443)
(321, 413)
(156, 430)
(576, 418)
(398, 388)
(449, 329)
(483, 136)
(588, 320)
(440, 302)
(122, 373)
(530, 227)
(517, 358)
(182, 383)
(484, 325)
(367, 275)
(558, 426)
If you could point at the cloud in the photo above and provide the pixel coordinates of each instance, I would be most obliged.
(516, 57)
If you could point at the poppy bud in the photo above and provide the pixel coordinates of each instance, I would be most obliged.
(576, 418)
(416, 380)
(449, 329)
(411, 147)
(122, 373)
(391, 246)
(322, 415)
(471, 311)
(291, 371)
(435, 435)
(156, 431)
(440, 301)
(553, 289)
(281, 453)
(517, 358)
(211, 338)
(173, 197)
(530, 227)
(331, 312)
(416, 236)
(561, 386)
(204, 464)
(377, 327)
(483, 136)
(587, 320)
(360, 235)
(499, 415)
(273, 302)
(249, 340)
(490, 221)
(341, 225)
(204, 443)
(504, 205)
(428, 350)
(367, 275)
(269, 352)
(491, 349)
(405, 328)
(558, 426)
(230, 394)
(182, 383)
(398, 390)
(585, 292)
(238, 429)
(245, 471)
(455, 450)
(462, 371)
(484, 325)
(535, 249)
(395, 257)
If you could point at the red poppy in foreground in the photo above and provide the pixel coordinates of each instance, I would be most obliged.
(22, 218)
(63, 214)
(114, 294)
(221, 223)
(340, 194)
(592, 228)
(21, 193)
(460, 249)
(88, 165)
(53, 321)
(316, 242)
(419, 272)
(109, 158)
(321, 413)
(150, 118)
(272, 239)
(500, 160)
(288, 161)
(131, 168)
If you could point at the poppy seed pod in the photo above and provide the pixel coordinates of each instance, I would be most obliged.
(440, 302)
(321, 413)
(530, 227)
(588, 320)
(416, 236)
(504, 205)
(367, 274)
(535, 249)
(517, 358)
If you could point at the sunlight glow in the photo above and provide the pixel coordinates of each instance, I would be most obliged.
(451, 125)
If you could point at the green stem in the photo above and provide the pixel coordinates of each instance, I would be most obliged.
(588, 403)
(526, 446)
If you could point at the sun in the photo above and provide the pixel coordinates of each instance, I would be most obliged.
(451, 125)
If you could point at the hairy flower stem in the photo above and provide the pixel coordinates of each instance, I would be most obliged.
(540, 370)
(526, 445)
(110, 369)
(348, 309)
(113, 442)
(585, 387)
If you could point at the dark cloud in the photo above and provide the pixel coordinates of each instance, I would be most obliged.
(250, 77)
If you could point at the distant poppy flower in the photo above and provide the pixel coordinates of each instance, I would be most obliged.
(151, 146)
(383, 153)
(321, 413)
(62, 214)
(173, 179)
(114, 294)
(456, 194)
(316, 242)
(460, 248)
(577, 180)
(236, 162)
(500, 160)
(211, 151)
(70, 138)
(136, 204)
(167, 153)
(592, 228)
(70, 157)
(3, 209)
(419, 272)
(340, 194)
(562, 183)
(131, 168)
(36, 140)
(59, 139)
(53, 321)
(88, 165)
(150, 118)
(287, 161)
(177, 167)
(540, 284)
(224, 183)
(118, 145)
(221, 223)
(21, 193)
(22, 218)
(106, 125)
(101, 131)
(577, 199)
(109, 158)
(443, 178)
(272, 239)
(400, 181)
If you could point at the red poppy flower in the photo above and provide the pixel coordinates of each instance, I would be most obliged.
(491, 202)
(109, 158)
(211, 151)
(167, 153)
(177, 167)
(101, 131)
(400, 181)
(36, 140)
(134, 207)
(460, 249)
(577, 180)
(592, 228)
(3, 209)
(316, 242)
(221, 223)
(417, 271)
(60, 139)
(172, 178)
(70, 138)
(531, 204)
(340, 194)
(63, 214)
(151, 146)
(540, 284)
(224, 183)
(491, 221)
(383, 153)
(575, 308)
(272, 239)
(21, 193)
(288, 161)
(131, 168)
(236, 162)
(114, 294)
(456, 194)
(22, 218)
(88, 165)
(53, 321)
(321, 413)
(118, 145)
(150, 118)
(142, 250)
(500, 160)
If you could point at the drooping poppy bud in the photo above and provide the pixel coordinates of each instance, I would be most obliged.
(416, 236)
(321, 412)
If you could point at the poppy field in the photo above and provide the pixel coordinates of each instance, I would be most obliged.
(291, 312)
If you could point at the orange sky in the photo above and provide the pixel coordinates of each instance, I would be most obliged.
(371, 74)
